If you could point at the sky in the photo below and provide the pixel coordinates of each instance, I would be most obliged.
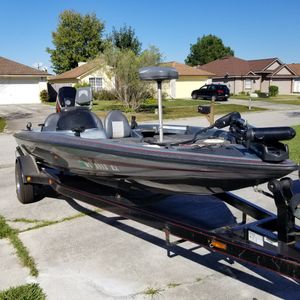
(253, 29)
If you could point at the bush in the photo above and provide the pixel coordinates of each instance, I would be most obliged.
(44, 96)
(81, 84)
(257, 92)
(104, 95)
(242, 93)
(273, 90)
(263, 95)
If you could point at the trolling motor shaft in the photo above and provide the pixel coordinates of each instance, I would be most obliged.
(158, 74)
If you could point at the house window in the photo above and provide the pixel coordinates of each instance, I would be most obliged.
(95, 83)
(248, 84)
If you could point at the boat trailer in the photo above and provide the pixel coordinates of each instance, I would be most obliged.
(252, 235)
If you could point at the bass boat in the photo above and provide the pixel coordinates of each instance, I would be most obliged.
(189, 160)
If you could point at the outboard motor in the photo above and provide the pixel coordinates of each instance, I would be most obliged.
(84, 97)
(69, 97)
(65, 97)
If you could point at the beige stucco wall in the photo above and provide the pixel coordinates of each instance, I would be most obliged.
(284, 71)
(265, 86)
(284, 85)
(255, 85)
(183, 87)
(108, 82)
(274, 66)
(67, 81)
(186, 84)
(237, 85)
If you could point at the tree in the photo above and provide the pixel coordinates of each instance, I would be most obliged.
(123, 68)
(77, 38)
(207, 49)
(125, 38)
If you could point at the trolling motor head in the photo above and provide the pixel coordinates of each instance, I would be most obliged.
(158, 74)
(228, 120)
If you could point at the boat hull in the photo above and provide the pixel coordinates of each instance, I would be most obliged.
(164, 170)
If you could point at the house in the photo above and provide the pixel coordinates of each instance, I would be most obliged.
(188, 80)
(96, 75)
(296, 83)
(251, 75)
(92, 73)
(20, 84)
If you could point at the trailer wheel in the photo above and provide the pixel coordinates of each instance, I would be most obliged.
(25, 192)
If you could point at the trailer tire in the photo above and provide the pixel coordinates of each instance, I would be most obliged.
(25, 192)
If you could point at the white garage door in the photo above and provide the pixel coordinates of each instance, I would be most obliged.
(19, 91)
(296, 86)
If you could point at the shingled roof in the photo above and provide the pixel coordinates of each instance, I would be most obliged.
(295, 68)
(260, 64)
(10, 67)
(77, 72)
(228, 65)
(185, 70)
(234, 66)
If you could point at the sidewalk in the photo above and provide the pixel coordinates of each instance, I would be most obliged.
(263, 104)
(289, 117)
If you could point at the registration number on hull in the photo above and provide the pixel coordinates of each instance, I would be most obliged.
(99, 166)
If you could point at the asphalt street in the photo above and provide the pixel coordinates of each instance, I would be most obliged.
(97, 255)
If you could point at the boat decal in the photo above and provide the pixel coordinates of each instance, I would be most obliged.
(99, 166)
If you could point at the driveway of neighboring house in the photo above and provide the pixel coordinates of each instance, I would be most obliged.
(100, 256)
(17, 116)
(263, 104)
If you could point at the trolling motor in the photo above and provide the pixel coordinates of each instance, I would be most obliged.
(265, 142)
(69, 96)
(158, 74)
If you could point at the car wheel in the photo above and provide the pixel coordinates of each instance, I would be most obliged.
(194, 96)
(25, 192)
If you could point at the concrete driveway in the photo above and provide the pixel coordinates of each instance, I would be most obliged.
(91, 254)
(19, 115)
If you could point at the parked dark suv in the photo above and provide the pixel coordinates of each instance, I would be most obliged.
(220, 91)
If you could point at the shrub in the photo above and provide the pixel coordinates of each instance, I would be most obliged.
(273, 90)
(263, 95)
(44, 96)
(104, 95)
(257, 92)
(242, 93)
(81, 84)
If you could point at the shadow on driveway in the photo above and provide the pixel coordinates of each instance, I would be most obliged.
(265, 280)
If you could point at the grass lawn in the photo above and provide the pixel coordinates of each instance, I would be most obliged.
(280, 99)
(173, 109)
(294, 145)
(2, 124)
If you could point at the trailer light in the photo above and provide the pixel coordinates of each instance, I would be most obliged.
(219, 245)
(50, 181)
(28, 178)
